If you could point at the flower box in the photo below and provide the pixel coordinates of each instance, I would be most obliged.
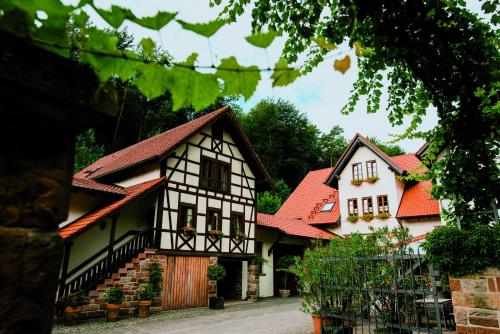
(188, 231)
(372, 179)
(352, 218)
(240, 236)
(356, 182)
(367, 217)
(383, 215)
(216, 234)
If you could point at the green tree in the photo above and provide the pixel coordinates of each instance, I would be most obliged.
(87, 151)
(389, 149)
(270, 201)
(331, 145)
(284, 139)
(431, 52)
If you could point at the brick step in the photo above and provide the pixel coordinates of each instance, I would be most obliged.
(108, 281)
(136, 260)
(122, 271)
(93, 293)
(129, 265)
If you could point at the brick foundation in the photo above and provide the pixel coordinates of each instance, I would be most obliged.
(476, 302)
(212, 284)
(253, 282)
(129, 279)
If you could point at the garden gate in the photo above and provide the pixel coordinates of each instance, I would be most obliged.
(382, 294)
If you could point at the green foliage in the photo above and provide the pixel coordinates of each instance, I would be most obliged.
(87, 151)
(312, 268)
(423, 50)
(352, 218)
(145, 292)
(74, 299)
(216, 272)
(268, 202)
(114, 295)
(204, 29)
(284, 139)
(155, 276)
(457, 252)
(238, 80)
(262, 39)
(331, 146)
(284, 262)
(283, 75)
(117, 15)
(258, 260)
(389, 149)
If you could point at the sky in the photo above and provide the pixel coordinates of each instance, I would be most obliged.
(319, 94)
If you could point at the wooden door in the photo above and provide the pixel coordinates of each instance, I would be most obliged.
(186, 282)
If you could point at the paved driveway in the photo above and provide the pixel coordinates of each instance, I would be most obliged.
(273, 316)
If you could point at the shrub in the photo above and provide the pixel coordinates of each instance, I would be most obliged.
(285, 262)
(216, 272)
(258, 260)
(74, 299)
(145, 292)
(457, 252)
(155, 276)
(114, 295)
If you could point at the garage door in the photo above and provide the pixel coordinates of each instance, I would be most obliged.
(186, 282)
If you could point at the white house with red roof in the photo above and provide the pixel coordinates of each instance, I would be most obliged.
(189, 195)
(364, 190)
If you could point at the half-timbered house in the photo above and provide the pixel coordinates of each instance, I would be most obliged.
(189, 193)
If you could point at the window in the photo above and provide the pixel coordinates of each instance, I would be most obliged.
(352, 205)
(357, 171)
(371, 169)
(187, 216)
(383, 204)
(214, 220)
(215, 175)
(367, 205)
(328, 206)
(237, 224)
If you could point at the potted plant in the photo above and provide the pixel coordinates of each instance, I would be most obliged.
(216, 234)
(145, 295)
(188, 231)
(73, 306)
(114, 298)
(372, 179)
(240, 235)
(216, 272)
(283, 265)
(367, 217)
(383, 215)
(352, 218)
(356, 182)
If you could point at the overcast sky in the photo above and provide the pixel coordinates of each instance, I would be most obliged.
(320, 94)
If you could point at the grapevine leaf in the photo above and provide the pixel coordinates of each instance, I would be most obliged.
(357, 48)
(283, 75)
(204, 29)
(322, 43)
(148, 46)
(262, 39)
(153, 81)
(156, 22)
(190, 87)
(342, 65)
(238, 80)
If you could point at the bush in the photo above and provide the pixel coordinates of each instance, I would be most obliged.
(216, 272)
(284, 262)
(145, 292)
(258, 260)
(114, 295)
(457, 252)
(74, 299)
(155, 276)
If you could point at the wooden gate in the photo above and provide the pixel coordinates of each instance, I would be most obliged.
(186, 282)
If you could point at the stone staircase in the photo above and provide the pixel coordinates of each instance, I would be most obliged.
(129, 278)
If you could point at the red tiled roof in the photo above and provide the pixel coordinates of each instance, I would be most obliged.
(417, 202)
(294, 227)
(148, 149)
(308, 199)
(97, 186)
(133, 193)
(409, 163)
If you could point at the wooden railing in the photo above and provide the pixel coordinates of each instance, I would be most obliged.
(106, 266)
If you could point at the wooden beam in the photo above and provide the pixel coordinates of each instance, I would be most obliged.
(278, 239)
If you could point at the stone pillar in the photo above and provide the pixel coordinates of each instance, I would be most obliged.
(253, 282)
(212, 284)
(476, 302)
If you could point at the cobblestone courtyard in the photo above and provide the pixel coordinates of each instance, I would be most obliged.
(273, 316)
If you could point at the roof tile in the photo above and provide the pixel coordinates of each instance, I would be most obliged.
(294, 227)
(97, 186)
(417, 202)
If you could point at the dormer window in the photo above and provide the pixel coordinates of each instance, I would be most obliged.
(357, 171)
(371, 169)
(328, 206)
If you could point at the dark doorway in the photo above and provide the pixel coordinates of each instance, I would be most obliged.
(230, 287)
(279, 277)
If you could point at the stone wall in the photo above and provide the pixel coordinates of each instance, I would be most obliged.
(129, 279)
(253, 282)
(476, 302)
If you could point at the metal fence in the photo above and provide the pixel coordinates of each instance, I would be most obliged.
(395, 293)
